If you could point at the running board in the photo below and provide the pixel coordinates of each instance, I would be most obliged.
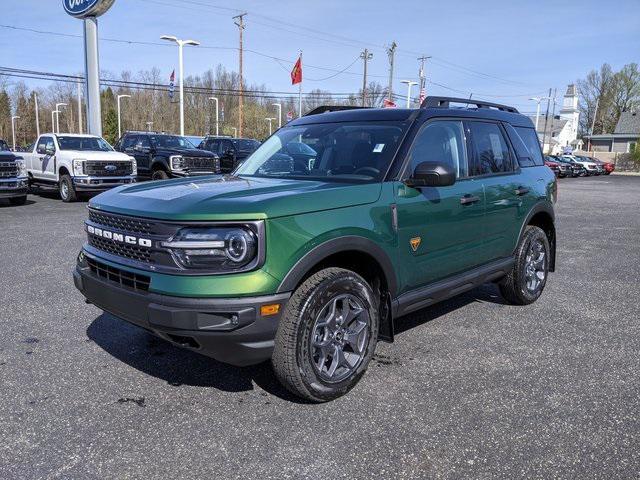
(450, 287)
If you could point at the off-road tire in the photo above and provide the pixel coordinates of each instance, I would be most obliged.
(292, 356)
(514, 285)
(17, 201)
(66, 189)
(159, 175)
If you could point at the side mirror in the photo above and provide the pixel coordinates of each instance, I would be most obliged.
(432, 174)
(49, 151)
(230, 151)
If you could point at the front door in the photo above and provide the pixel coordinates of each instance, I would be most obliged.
(44, 165)
(440, 229)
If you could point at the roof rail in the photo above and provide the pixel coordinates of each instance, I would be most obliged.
(443, 102)
(331, 108)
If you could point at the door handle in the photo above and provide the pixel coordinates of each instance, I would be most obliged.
(522, 191)
(469, 199)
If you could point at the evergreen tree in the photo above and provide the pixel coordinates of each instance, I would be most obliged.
(5, 116)
(110, 126)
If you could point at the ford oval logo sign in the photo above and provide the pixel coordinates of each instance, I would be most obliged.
(86, 8)
(110, 168)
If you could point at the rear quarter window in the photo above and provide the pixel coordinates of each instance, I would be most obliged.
(530, 139)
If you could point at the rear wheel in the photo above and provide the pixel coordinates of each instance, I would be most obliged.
(18, 200)
(67, 190)
(528, 277)
(327, 335)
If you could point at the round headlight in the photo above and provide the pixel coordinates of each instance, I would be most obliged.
(237, 247)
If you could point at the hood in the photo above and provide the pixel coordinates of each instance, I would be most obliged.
(9, 156)
(186, 152)
(96, 155)
(232, 198)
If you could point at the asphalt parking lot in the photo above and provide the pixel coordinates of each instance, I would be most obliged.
(471, 388)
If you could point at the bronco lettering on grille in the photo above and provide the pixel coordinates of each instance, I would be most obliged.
(119, 237)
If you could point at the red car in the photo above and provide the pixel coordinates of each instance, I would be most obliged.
(554, 166)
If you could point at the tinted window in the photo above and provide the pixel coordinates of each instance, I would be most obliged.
(129, 141)
(442, 142)
(492, 154)
(530, 139)
(246, 145)
(170, 141)
(84, 144)
(143, 142)
(212, 145)
(3, 146)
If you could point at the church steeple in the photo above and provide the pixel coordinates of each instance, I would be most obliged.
(570, 111)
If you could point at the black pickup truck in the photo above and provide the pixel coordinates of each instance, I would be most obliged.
(232, 151)
(160, 156)
(13, 176)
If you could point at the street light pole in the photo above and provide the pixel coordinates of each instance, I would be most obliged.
(409, 84)
(119, 128)
(54, 114)
(13, 130)
(538, 100)
(58, 105)
(35, 99)
(180, 43)
(235, 132)
(216, 100)
(269, 119)
(149, 125)
(279, 105)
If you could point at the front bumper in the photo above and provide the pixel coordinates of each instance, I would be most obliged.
(192, 173)
(13, 187)
(231, 330)
(96, 184)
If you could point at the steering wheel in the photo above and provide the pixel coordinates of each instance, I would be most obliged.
(374, 172)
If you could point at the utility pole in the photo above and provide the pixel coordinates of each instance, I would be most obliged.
(423, 77)
(546, 119)
(366, 56)
(553, 113)
(391, 52)
(593, 123)
(79, 108)
(35, 98)
(240, 24)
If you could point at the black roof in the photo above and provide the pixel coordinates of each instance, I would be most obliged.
(431, 107)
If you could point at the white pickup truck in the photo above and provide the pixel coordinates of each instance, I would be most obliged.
(77, 163)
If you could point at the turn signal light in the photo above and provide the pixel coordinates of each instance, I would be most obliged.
(266, 310)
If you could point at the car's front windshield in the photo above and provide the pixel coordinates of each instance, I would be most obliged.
(92, 144)
(347, 151)
(245, 145)
(170, 141)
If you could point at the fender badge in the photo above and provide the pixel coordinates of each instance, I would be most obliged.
(415, 243)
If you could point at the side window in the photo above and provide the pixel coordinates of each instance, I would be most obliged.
(143, 141)
(213, 146)
(530, 139)
(440, 141)
(492, 155)
(51, 145)
(128, 142)
(227, 145)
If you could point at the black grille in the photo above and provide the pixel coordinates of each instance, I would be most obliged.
(132, 252)
(127, 224)
(134, 281)
(105, 168)
(199, 163)
(8, 170)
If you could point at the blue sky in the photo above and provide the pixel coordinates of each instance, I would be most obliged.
(510, 48)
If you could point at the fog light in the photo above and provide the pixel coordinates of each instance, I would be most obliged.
(266, 310)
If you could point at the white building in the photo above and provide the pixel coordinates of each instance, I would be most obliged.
(562, 128)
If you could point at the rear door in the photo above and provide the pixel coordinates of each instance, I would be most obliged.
(439, 228)
(495, 164)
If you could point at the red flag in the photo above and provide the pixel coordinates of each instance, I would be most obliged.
(388, 103)
(172, 78)
(296, 73)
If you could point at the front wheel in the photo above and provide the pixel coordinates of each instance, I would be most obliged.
(528, 276)
(67, 190)
(327, 335)
(159, 175)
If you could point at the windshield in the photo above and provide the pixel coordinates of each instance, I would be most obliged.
(353, 151)
(246, 145)
(84, 144)
(170, 141)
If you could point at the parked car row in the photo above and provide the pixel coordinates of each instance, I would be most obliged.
(75, 164)
(577, 165)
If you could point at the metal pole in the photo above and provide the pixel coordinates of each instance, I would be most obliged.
(593, 123)
(366, 56)
(13, 130)
(235, 132)
(279, 105)
(58, 105)
(300, 91)
(537, 113)
(53, 121)
(409, 84)
(546, 119)
(391, 51)
(35, 98)
(92, 81)
(240, 24)
(79, 108)
(269, 120)
(180, 44)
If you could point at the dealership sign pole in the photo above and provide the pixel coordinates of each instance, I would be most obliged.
(89, 11)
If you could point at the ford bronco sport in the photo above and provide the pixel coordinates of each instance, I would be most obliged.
(311, 261)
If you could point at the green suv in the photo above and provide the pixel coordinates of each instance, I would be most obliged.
(310, 258)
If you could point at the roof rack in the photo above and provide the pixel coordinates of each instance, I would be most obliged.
(331, 108)
(443, 102)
